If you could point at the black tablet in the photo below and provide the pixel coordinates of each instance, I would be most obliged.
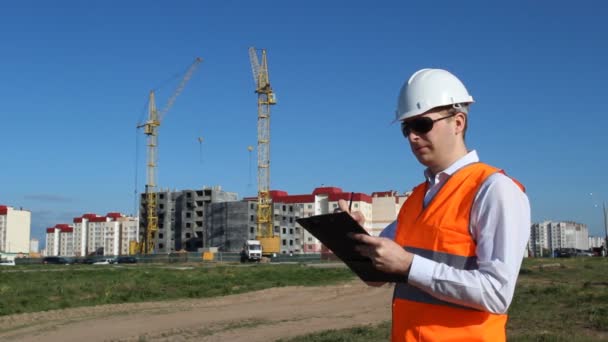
(333, 231)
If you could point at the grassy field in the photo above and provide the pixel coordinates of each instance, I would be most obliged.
(45, 287)
(555, 300)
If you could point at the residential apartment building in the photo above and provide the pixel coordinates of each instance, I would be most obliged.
(323, 200)
(15, 225)
(81, 234)
(596, 241)
(385, 209)
(59, 240)
(548, 235)
(34, 246)
(66, 240)
(92, 234)
(181, 217)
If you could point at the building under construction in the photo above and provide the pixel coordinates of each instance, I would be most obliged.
(181, 217)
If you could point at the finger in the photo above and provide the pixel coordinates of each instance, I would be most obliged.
(368, 240)
(362, 249)
(358, 216)
(359, 237)
(343, 205)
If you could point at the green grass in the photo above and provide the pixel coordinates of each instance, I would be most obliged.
(565, 302)
(366, 333)
(40, 288)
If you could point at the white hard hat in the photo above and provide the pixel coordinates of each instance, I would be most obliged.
(430, 88)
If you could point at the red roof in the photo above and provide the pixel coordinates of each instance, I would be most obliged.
(98, 219)
(357, 197)
(114, 216)
(67, 229)
(89, 216)
(327, 190)
(277, 193)
(77, 219)
(333, 194)
(294, 199)
(389, 193)
(50, 230)
(3, 210)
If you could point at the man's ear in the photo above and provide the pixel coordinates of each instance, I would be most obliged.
(461, 122)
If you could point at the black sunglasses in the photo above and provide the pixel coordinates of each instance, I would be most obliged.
(420, 125)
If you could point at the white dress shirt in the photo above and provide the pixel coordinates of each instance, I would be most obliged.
(499, 224)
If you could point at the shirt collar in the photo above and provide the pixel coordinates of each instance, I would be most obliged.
(465, 160)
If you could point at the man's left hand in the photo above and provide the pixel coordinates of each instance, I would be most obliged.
(386, 254)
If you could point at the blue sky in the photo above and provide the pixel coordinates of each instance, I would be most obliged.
(76, 77)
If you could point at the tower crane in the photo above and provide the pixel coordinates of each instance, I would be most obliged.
(266, 98)
(151, 131)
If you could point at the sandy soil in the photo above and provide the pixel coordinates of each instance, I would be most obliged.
(257, 316)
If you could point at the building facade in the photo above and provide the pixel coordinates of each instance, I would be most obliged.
(59, 240)
(34, 246)
(547, 236)
(596, 241)
(181, 217)
(15, 225)
(385, 209)
(93, 235)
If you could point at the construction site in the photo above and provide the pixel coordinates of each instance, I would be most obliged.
(211, 219)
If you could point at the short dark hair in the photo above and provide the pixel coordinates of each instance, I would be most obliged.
(452, 109)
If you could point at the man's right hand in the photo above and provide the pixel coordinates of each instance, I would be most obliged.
(357, 215)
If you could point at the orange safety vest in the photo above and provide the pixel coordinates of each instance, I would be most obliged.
(440, 232)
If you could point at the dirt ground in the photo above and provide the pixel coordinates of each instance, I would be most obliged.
(256, 316)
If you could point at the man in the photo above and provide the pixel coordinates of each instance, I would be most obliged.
(460, 237)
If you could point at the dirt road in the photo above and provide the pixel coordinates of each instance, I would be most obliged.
(257, 316)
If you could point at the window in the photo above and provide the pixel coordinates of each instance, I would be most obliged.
(297, 230)
(291, 208)
(284, 231)
(251, 230)
(188, 215)
(284, 242)
(161, 206)
(356, 205)
(161, 196)
(276, 229)
(291, 242)
(335, 205)
(284, 207)
(291, 231)
(160, 245)
(161, 226)
(291, 220)
(309, 239)
(310, 206)
(188, 225)
(188, 235)
(251, 218)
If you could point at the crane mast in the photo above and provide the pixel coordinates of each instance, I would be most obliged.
(266, 98)
(151, 131)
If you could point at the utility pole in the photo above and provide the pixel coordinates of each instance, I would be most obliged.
(605, 229)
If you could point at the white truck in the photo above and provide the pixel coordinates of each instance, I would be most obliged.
(252, 251)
